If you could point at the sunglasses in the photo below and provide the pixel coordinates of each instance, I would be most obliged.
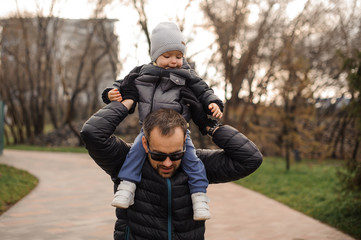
(160, 157)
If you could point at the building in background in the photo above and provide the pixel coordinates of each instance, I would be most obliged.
(52, 70)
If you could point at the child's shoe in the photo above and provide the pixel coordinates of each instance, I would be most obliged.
(124, 196)
(200, 206)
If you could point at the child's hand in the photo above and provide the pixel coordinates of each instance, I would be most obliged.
(216, 111)
(114, 95)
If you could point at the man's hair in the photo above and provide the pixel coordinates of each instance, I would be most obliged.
(166, 120)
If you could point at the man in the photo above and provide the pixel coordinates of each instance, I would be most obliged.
(162, 207)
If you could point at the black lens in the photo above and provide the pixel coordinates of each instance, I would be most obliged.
(176, 156)
(158, 156)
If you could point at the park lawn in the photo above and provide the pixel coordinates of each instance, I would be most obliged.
(310, 187)
(14, 185)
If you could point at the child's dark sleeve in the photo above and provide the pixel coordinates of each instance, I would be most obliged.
(117, 84)
(203, 92)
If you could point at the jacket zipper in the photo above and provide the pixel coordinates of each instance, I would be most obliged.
(169, 209)
(127, 232)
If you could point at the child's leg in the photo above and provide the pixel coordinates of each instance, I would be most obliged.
(133, 164)
(193, 166)
(130, 174)
(197, 180)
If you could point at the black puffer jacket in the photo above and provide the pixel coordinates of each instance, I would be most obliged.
(163, 207)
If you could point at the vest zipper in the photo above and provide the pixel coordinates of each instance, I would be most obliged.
(127, 233)
(154, 90)
(169, 209)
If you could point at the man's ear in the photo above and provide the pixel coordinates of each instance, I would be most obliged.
(144, 142)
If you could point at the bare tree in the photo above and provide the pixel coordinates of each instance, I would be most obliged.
(52, 69)
(33, 55)
(83, 71)
(296, 55)
(238, 45)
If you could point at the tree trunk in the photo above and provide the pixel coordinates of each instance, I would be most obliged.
(338, 140)
(356, 147)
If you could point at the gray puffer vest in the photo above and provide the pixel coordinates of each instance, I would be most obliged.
(160, 88)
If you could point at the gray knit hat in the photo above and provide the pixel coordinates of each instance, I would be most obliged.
(166, 37)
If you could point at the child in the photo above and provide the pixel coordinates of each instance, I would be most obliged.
(159, 85)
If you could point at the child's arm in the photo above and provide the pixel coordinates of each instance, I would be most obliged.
(108, 97)
(196, 108)
(205, 94)
(123, 89)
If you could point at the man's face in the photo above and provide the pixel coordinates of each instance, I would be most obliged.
(158, 143)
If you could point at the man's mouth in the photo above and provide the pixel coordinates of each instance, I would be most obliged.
(166, 170)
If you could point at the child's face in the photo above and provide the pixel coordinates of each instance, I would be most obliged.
(171, 59)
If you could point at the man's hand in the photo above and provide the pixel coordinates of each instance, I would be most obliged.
(128, 103)
(114, 95)
(199, 117)
(128, 89)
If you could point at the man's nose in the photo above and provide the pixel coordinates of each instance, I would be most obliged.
(167, 162)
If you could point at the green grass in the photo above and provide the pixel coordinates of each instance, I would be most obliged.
(14, 185)
(47, 149)
(310, 187)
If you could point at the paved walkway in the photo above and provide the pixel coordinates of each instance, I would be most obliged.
(72, 202)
